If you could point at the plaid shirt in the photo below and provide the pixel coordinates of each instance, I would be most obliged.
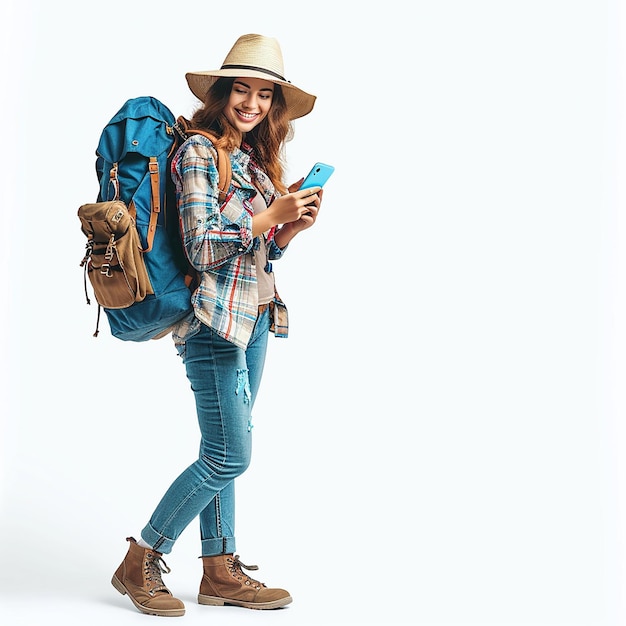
(219, 244)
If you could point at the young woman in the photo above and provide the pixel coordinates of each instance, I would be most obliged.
(248, 105)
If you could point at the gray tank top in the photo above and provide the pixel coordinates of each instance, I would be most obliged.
(265, 280)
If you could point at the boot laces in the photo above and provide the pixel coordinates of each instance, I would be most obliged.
(235, 566)
(154, 566)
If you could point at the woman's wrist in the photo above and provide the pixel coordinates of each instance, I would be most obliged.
(262, 222)
(284, 235)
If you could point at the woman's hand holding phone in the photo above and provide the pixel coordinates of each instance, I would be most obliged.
(316, 178)
(298, 209)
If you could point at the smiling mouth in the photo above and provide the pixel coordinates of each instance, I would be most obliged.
(246, 116)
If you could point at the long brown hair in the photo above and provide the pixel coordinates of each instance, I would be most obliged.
(266, 139)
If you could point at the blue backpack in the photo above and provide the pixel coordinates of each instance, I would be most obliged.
(135, 259)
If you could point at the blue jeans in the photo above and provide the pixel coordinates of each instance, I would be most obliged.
(225, 380)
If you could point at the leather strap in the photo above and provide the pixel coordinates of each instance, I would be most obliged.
(153, 168)
(223, 161)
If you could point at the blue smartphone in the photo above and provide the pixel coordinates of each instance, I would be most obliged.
(318, 176)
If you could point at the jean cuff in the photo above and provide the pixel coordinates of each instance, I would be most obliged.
(218, 545)
(158, 542)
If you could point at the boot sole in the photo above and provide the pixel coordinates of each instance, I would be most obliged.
(144, 609)
(215, 601)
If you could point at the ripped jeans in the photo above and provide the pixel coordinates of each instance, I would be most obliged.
(225, 380)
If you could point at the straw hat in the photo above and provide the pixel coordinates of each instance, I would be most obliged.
(254, 56)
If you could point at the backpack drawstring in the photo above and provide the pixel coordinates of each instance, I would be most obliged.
(85, 263)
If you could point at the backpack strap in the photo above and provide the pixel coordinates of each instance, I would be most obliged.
(223, 161)
(153, 168)
(224, 172)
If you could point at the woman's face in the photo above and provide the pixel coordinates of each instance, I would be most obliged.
(249, 103)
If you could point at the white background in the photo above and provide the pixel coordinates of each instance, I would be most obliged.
(441, 440)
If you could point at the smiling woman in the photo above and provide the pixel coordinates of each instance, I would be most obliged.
(248, 107)
(446, 419)
(249, 103)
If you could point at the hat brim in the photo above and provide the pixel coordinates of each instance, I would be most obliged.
(299, 102)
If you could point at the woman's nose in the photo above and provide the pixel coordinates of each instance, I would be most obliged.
(250, 102)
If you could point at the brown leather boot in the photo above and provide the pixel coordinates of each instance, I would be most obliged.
(224, 582)
(139, 576)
